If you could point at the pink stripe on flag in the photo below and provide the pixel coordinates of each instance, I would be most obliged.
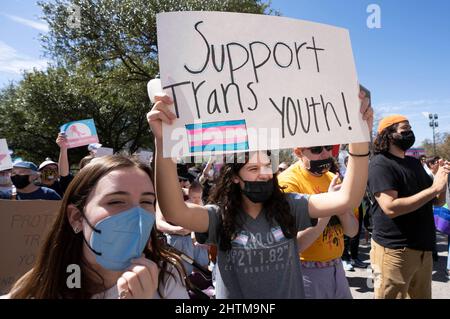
(233, 140)
(217, 129)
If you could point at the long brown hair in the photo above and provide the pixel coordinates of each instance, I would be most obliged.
(228, 196)
(62, 247)
(384, 139)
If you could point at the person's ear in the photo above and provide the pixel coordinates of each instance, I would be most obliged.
(75, 218)
(298, 152)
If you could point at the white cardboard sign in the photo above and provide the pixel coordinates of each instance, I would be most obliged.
(104, 151)
(5, 157)
(244, 82)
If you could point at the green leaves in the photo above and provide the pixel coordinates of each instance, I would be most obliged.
(100, 71)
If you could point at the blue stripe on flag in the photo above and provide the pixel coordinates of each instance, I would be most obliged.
(214, 124)
(220, 147)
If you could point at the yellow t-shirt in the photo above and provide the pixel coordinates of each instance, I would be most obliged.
(330, 244)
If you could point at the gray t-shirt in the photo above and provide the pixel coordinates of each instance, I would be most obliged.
(262, 263)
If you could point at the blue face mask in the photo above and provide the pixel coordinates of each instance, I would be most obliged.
(117, 239)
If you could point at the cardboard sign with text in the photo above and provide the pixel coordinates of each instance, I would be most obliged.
(5, 157)
(23, 226)
(244, 82)
(79, 133)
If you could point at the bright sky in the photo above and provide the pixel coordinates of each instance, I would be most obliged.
(405, 63)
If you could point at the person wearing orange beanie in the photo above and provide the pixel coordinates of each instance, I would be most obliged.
(404, 234)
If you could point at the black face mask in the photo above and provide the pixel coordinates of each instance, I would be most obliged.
(20, 181)
(405, 141)
(259, 191)
(320, 166)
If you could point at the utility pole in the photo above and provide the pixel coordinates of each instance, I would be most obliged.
(434, 124)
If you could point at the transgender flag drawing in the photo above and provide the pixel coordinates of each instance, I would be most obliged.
(277, 233)
(218, 136)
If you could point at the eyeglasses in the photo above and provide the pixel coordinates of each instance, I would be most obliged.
(318, 149)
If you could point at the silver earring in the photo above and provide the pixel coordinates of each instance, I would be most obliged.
(76, 230)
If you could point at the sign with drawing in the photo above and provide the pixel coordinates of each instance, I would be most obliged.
(243, 82)
(80, 133)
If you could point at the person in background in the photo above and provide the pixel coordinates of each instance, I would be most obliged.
(282, 167)
(342, 158)
(195, 193)
(448, 237)
(183, 179)
(404, 233)
(181, 238)
(422, 159)
(85, 160)
(56, 175)
(5, 180)
(206, 179)
(350, 257)
(106, 226)
(322, 245)
(93, 147)
(24, 177)
(433, 165)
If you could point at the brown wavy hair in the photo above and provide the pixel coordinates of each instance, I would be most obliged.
(228, 196)
(62, 247)
(384, 139)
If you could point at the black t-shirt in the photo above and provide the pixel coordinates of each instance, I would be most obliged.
(61, 185)
(415, 230)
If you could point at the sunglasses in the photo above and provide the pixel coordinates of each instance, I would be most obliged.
(318, 149)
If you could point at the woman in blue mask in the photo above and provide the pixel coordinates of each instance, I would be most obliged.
(253, 222)
(105, 227)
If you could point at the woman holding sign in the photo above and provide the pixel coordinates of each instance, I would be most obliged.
(253, 222)
(103, 243)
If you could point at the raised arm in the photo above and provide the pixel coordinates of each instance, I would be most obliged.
(63, 161)
(163, 226)
(354, 185)
(170, 200)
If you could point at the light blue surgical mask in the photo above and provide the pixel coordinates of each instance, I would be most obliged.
(118, 239)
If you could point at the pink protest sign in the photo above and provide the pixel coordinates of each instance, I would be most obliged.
(80, 133)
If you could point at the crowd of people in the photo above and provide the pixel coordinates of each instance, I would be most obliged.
(236, 228)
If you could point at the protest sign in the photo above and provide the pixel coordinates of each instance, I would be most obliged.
(415, 152)
(5, 157)
(80, 133)
(104, 151)
(243, 82)
(23, 227)
(145, 157)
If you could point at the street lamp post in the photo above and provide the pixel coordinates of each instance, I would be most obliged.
(433, 124)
